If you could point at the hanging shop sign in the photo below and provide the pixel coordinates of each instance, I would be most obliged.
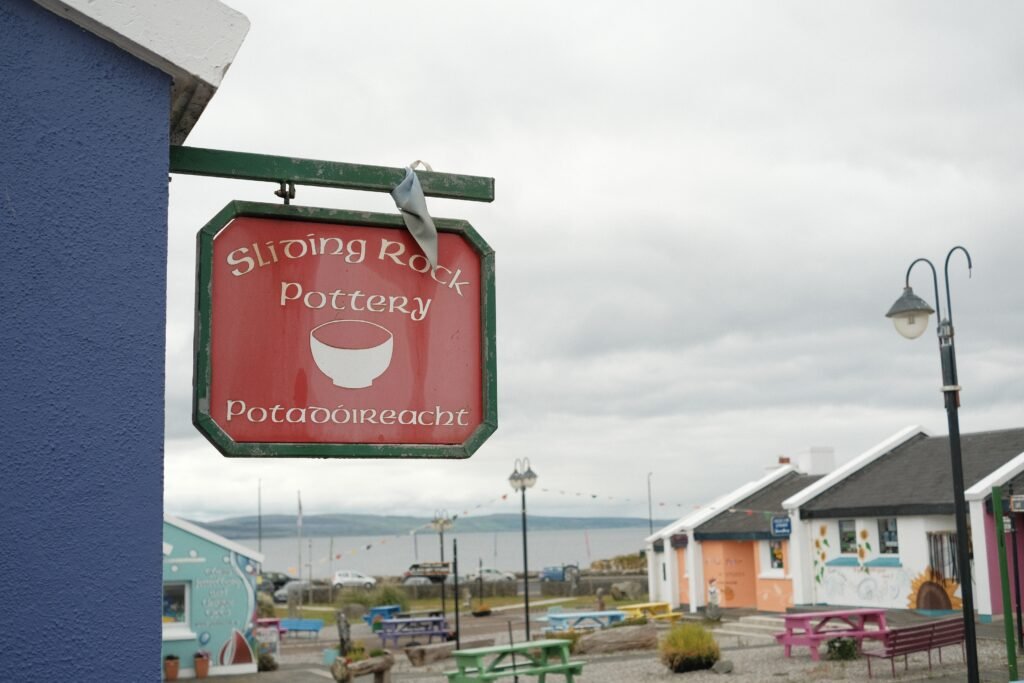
(326, 333)
(782, 526)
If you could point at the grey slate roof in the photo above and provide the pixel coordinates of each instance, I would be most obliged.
(915, 478)
(739, 525)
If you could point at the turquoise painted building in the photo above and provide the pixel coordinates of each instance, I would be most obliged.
(209, 598)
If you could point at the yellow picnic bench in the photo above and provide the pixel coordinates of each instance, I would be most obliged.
(658, 611)
(529, 658)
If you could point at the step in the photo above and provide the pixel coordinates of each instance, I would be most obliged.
(778, 622)
(770, 629)
(744, 635)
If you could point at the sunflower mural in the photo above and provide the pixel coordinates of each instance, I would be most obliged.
(931, 591)
(821, 548)
(863, 548)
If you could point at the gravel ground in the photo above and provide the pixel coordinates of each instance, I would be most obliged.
(756, 663)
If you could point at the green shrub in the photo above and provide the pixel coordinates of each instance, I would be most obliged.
(264, 604)
(688, 647)
(635, 621)
(378, 652)
(266, 662)
(382, 595)
(842, 649)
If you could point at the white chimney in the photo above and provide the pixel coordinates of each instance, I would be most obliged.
(817, 460)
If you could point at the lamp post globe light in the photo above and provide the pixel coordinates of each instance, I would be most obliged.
(441, 522)
(522, 478)
(910, 316)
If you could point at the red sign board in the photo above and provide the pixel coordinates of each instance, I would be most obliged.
(328, 334)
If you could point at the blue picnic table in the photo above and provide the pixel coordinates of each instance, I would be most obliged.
(563, 621)
(412, 627)
(382, 611)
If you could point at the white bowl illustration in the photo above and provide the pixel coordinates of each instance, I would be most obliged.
(352, 353)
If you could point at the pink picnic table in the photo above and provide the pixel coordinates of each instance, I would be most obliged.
(811, 628)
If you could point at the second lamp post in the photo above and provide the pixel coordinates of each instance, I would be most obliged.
(522, 478)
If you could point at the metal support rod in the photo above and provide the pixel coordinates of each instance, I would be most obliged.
(650, 505)
(313, 172)
(455, 568)
(1004, 578)
(526, 572)
(443, 610)
(960, 512)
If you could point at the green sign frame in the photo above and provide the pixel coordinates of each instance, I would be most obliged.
(202, 359)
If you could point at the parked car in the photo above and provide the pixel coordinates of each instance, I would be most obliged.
(346, 578)
(271, 581)
(281, 594)
(565, 572)
(490, 575)
(434, 572)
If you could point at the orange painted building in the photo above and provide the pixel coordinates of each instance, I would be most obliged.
(745, 564)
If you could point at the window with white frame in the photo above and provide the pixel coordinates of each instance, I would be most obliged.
(175, 610)
(848, 536)
(772, 563)
(888, 538)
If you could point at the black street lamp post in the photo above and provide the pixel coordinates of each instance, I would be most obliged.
(910, 316)
(522, 478)
(441, 522)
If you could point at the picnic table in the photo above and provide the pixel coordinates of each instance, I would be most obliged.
(412, 627)
(811, 628)
(563, 621)
(382, 611)
(530, 658)
(653, 610)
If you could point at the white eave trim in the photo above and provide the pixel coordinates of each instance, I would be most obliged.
(724, 502)
(1003, 474)
(208, 535)
(862, 460)
(193, 41)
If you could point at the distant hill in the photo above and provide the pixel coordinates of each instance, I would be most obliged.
(284, 526)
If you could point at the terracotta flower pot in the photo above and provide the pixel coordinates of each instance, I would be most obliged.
(202, 666)
(171, 667)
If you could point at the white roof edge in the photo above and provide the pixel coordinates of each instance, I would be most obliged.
(208, 535)
(193, 41)
(1000, 476)
(724, 501)
(840, 473)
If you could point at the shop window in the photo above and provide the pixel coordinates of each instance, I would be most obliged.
(775, 554)
(848, 536)
(888, 538)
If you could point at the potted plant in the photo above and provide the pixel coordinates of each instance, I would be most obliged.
(171, 665)
(202, 664)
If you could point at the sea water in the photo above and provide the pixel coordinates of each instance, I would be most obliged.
(385, 555)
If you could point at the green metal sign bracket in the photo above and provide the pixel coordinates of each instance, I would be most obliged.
(277, 169)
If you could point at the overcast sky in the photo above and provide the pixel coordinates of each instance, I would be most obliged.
(703, 212)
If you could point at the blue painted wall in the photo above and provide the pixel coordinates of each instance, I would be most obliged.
(83, 220)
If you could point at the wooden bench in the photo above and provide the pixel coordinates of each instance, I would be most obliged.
(920, 638)
(311, 626)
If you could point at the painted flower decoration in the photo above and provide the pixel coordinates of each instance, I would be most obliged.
(860, 553)
(823, 557)
(817, 544)
(823, 530)
(864, 534)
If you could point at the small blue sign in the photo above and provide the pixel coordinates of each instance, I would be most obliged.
(781, 526)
